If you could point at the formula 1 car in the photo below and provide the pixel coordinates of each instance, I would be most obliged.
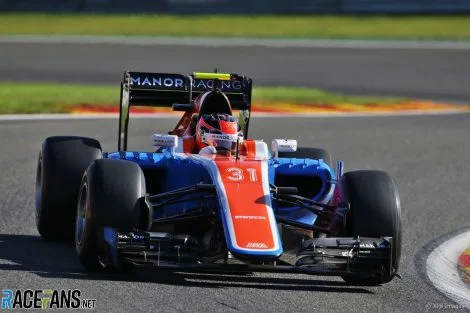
(252, 210)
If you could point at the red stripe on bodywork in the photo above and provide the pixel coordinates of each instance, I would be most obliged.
(247, 203)
(250, 146)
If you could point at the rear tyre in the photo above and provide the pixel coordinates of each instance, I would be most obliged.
(309, 153)
(375, 211)
(112, 194)
(61, 164)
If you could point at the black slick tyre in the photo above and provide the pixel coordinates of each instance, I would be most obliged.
(112, 194)
(61, 164)
(375, 211)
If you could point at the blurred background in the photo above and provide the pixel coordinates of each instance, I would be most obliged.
(241, 6)
(346, 53)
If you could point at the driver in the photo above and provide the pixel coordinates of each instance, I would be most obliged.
(217, 132)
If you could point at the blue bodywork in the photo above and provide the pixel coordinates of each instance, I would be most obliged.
(178, 171)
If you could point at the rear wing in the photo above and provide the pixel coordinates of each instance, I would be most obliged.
(178, 91)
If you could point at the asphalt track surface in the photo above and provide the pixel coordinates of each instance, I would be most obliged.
(428, 73)
(427, 155)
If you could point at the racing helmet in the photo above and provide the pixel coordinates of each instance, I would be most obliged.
(219, 130)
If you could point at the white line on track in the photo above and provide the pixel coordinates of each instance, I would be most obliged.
(66, 116)
(441, 267)
(239, 42)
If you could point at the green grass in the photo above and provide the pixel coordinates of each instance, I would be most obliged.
(57, 98)
(266, 26)
(314, 96)
(52, 98)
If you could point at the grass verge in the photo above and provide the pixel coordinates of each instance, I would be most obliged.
(255, 26)
(60, 98)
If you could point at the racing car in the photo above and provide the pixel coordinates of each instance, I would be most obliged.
(244, 209)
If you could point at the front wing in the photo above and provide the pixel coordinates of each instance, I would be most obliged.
(367, 257)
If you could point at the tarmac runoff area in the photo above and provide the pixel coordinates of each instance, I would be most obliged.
(447, 266)
(425, 70)
(409, 148)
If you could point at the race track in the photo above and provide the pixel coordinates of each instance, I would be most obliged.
(427, 155)
(428, 73)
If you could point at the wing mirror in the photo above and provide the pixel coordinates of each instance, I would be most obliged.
(170, 141)
(283, 145)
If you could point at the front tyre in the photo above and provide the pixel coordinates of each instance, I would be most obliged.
(375, 211)
(112, 194)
